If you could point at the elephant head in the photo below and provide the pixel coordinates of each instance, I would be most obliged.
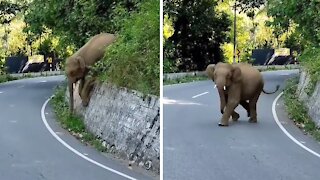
(75, 70)
(224, 75)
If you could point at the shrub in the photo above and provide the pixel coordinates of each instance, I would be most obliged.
(133, 60)
(310, 59)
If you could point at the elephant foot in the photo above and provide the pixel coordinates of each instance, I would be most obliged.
(252, 120)
(235, 116)
(220, 124)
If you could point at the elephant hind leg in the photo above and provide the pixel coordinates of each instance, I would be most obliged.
(253, 109)
(235, 116)
(245, 105)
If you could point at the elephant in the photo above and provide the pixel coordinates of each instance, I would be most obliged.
(85, 89)
(78, 65)
(237, 84)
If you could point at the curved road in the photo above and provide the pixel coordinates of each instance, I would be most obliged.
(28, 151)
(195, 147)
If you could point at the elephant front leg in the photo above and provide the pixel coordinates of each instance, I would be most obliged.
(235, 115)
(85, 92)
(81, 84)
(229, 110)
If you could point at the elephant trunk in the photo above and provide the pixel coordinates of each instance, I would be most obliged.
(71, 96)
(222, 98)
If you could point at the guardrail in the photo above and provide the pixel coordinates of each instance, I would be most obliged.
(37, 74)
(172, 76)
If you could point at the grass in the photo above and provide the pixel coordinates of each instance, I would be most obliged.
(274, 68)
(74, 124)
(185, 80)
(6, 78)
(297, 110)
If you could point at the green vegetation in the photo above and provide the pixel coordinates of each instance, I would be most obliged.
(59, 28)
(191, 44)
(6, 77)
(73, 22)
(73, 123)
(185, 79)
(297, 110)
(310, 59)
(133, 61)
(303, 19)
(197, 31)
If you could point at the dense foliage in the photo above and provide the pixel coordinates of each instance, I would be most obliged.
(133, 61)
(8, 10)
(61, 27)
(303, 18)
(75, 21)
(304, 13)
(198, 32)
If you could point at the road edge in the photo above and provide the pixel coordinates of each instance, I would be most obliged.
(276, 119)
(44, 120)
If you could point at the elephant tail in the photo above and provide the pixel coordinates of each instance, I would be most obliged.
(278, 86)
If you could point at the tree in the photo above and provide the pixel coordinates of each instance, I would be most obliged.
(198, 32)
(75, 21)
(252, 31)
(8, 10)
(304, 14)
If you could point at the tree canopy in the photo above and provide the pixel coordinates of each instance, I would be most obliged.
(303, 15)
(198, 32)
(75, 21)
(8, 10)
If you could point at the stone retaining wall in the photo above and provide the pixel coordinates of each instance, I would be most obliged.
(127, 121)
(312, 102)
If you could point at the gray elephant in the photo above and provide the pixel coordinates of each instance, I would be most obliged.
(237, 84)
(77, 66)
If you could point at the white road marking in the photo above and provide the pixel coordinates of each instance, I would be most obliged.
(74, 150)
(199, 95)
(43, 81)
(1, 92)
(285, 131)
(165, 100)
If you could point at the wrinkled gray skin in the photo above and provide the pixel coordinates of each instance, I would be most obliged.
(237, 84)
(86, 88)
(77, 66)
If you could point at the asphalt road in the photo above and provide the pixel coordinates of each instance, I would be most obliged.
(195, 147)
(29, 152)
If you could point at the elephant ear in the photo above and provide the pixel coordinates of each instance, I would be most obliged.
(236, 74)
(210, 70)
(81, 62)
